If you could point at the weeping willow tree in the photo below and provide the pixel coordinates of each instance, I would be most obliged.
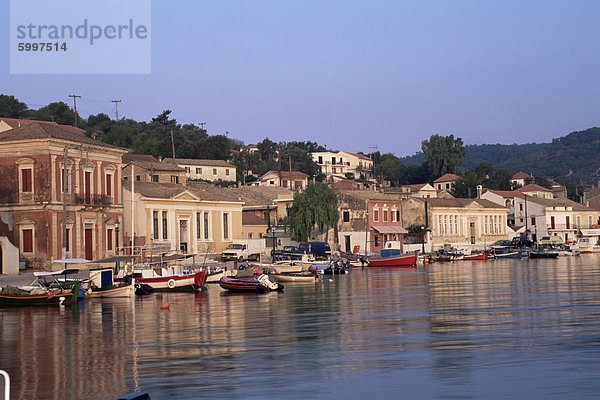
(315, 207)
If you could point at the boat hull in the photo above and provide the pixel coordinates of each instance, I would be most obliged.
(51, 298)
(115, 291)
(243, 285)
(476, 257)
(312, 278)
(402, 260)
(176, 282)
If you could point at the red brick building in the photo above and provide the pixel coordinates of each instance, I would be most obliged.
(38, 161)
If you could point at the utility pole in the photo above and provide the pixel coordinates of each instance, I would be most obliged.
(74, 96)
(116, 107)
(202, 125)
(172, 144)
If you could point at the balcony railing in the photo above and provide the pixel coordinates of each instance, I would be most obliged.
(91, 199)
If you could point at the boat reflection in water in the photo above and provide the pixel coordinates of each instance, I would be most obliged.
(499, 329)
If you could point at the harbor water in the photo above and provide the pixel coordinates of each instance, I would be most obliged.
(526, 329)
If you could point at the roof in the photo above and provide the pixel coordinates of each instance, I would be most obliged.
(157, 166)
(252, 196)
(418, 186)
(199, 162)
(506, 193)
(368, 195)
(532, 187)
(521, 175)
(559, 203)
(17, 123)
(460, 202)
(446, 178)
(138, 157)
(389, 229)
(358, 155)
(287, 174)
(170, 190)
(42, 130)
(249, 218)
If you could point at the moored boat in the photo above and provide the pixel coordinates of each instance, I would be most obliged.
(164, 279)
(294, 277)
(102, 284)
(400, 260)
(30, 296)
(476, 257)
(260, 284)
(543, 254)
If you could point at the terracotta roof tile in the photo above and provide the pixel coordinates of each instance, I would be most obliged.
(532, 187)
(38, 130)
(199, 162)
(446, 178)
(249, 218)
(521, 175)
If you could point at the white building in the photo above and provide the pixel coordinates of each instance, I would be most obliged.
(208, 170)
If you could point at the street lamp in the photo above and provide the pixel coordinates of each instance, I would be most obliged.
(423, 233)
(117, 226)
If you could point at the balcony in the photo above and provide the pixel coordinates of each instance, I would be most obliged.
(91, 200)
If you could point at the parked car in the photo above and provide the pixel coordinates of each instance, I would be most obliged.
(287, 253)
(522, 241)
(317, 249)
(504, 243)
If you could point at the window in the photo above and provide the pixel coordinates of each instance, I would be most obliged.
(164, 225)
(320, 159)
(520, 207)
(206, 226)
(154, 178)
(174, 179)
(155, 224)
(198, 225)
(590, 222)
(125, 178)
(225, 226)
(398, 216)
(138, 178)
(375, 215)
(108, 184)
(394, 216)
(199, 171)
(568, 222)
(109, 239)
(447, 186)
(376, 240)
(87, 176)
(214, 171)
(227, 171)
(578, 222)
(552, 222)
(188, 170)
(346, 216)
(27, 240)
(65, 176)
(26, 182)
(533, 221)
(385, 215)
(250, 235)
(333, 160)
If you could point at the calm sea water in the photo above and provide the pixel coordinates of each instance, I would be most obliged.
(467, 330)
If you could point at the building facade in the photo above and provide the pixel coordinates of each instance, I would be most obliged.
(60, 194)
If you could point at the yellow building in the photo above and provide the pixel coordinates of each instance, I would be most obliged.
(179, 218)
(462, 223)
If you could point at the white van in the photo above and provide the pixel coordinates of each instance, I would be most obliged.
(551, 240)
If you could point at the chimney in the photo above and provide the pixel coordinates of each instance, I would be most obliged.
(479, 190)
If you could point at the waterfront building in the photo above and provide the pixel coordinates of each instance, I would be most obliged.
(60, 193)
(179, 218)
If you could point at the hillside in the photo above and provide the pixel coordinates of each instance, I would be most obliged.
(574, 157)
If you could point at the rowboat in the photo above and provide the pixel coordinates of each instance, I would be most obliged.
(543, 254)
(295, 277)
(400, 260)
(261, 284)
(38, 296)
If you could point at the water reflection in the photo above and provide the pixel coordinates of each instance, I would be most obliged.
(439, 331)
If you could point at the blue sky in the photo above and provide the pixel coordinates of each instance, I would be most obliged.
(353, 75)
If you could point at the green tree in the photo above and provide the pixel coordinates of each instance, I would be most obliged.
(58, 112)
(301, 159)
(444, 154)
(389, 167)
(466, 185)
(499, 180)
(315, 207)
(11, 107)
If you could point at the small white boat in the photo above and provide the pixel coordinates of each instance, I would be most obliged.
(295, 277)
(102, 285)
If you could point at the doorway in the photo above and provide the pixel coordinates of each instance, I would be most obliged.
(347, 243)
(88, 240)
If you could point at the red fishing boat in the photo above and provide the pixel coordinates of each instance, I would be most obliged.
(474, 257)
(400, 260)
